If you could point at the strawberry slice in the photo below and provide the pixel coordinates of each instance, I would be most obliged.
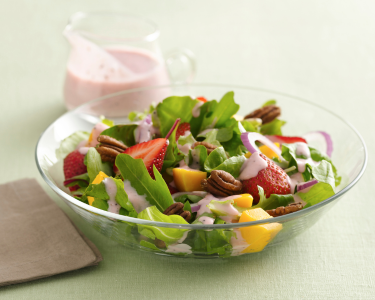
(272, 179)
(152, 152)
(74, 166)
(181, 130)
(290, 139)
(203, 99)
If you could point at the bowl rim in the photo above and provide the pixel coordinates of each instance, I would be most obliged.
(117, 217)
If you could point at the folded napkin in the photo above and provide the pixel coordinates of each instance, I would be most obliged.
(36, 238)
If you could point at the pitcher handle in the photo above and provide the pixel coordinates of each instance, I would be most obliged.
(181, 65)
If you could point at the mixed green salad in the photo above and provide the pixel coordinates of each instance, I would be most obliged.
(194, 161)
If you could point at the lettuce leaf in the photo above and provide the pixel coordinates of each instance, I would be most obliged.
(123, 133)
(221, 134)
(319, 156)
(156, 191)
(218, 160)
(274, 201)
(269, 102)
(317, 193)
(173, 108)
(70, 143)
(95, 165)
(272, 128)
(168, 235)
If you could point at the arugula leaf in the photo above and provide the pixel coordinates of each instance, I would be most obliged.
(168, 235)
(216, 158)
(222, 112)
(269, 102)
(173, 108)
(123, 133)
(221, 134)
(192, 198)
(272, 128)
(95, 165)
(317, 193)
(274, 201)
(70, 143)
(156, 191)
(235, 146)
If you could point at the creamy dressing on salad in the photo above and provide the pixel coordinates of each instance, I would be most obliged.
(83, 150)
(144, 131)
(252, 166)
(111, 189)
(238, 243)
(203, 203)
(184, 236)
(302, 149)
(197, 109)
(185, 148)
(206, 220)
(183, 165)
(139, 202)
(97, 130)
(179, 248)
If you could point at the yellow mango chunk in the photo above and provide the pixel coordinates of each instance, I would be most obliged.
(248, 154)
(244, 200)
(188, 180)
(268, 152)
(258, 236)
(98, 179)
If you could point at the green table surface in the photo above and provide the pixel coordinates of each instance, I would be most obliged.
(323, 51)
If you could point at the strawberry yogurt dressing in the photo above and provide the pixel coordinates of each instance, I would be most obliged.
(111, 189)
(93, 72)
(252, 166)
(139, 202)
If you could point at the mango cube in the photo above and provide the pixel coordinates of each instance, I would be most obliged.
(244, 200)
(258, 236)
(98, 179)
(188, 180)
(268, 152)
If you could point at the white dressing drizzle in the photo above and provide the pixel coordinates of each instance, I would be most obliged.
(252, 166)
(139, 202)
(111, 189)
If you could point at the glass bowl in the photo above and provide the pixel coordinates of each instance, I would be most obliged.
(203, 241)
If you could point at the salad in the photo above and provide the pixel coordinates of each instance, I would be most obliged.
(194, 161)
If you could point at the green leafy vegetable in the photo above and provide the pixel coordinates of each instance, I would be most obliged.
(70, 143)
(168, 235)
(107, 122)
(272, 128)
(95, 165)
(156, 191)
(274, 201)
(197, 157)
(123, 133)
(216, 158)
(269, 102)
(317, 193)
(192, 198)
(148, 245)
(319, 156)
(173, 108)
(221, 135)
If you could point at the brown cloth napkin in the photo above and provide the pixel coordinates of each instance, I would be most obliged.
(36, 238)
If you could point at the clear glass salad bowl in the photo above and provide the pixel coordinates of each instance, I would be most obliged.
(349, 157)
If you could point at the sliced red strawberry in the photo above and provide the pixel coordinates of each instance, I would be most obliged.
(272, 179)
(181, 130)
(203, 99)
(152, 152)
(289, 139)
(74, 166)
(172, 189)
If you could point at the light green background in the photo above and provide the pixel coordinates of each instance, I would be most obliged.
(323, 51)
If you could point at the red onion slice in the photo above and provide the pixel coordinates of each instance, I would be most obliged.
(316, 135)
(249, 139)
(195, 208)
(306, 185)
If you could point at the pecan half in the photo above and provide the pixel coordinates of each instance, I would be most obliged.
(208, 146)
(159, 243)
(221, 184)
(280, 211)
(178, 209)
(109, 148)
(267, 113)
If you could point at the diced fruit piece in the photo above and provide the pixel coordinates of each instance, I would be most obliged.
(151, 152)
(244, 200)
(98, 179)
(201, 98)
(181, 130)
(74, 166)
(268, 151)
(188, 180)
(272, 179)
(258, 236)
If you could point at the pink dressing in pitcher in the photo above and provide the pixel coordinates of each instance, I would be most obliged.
(93, 72)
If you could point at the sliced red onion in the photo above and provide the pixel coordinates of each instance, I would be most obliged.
(176, 123)
(195, 208)
(249, 139)
(306, 185)
(316, 135)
